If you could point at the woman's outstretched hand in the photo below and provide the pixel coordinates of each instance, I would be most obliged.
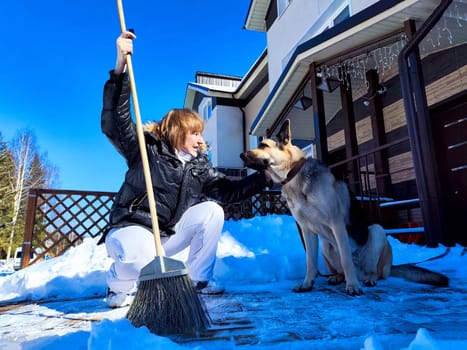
(124, 48)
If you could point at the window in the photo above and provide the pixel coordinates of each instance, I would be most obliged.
(282, 5)
(335, 17)
(343, 15)
(205, 108)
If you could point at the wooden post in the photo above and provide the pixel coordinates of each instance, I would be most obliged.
(319, 119)
(350, 135)
(375, 107)
(419, 130)
(29, 228)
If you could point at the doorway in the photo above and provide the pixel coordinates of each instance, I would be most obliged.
(449, 127)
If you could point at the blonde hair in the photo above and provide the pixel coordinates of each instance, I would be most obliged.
(176, 125)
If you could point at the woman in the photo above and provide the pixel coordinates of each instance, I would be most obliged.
(183, 181)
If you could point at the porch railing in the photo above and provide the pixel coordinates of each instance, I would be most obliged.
(396, 211)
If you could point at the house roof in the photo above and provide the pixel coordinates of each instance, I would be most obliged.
(254, 77)
(374, 22)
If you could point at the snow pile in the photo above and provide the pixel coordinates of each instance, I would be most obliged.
(256, 253)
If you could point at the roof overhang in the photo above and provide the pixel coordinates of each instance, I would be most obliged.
(254, 77)
(256, 17)
(206, 90)
(376, 21)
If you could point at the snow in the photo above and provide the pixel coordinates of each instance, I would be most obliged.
(58, 303)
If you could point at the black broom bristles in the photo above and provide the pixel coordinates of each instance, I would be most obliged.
(169, 305)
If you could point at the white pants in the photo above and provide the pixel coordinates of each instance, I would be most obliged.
(133, 247)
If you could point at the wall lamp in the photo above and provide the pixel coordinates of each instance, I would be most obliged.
(303, 103)
(381, 91)
(328, 84)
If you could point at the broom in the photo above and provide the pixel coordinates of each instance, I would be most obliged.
(166, 301)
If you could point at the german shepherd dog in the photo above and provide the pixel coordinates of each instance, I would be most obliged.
(324, 207)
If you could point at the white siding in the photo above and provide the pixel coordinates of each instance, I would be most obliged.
(359, 5)
(224, 134)
(252, 110)
(230, 137)
(210, 135)
(302, 20)
(287, 30)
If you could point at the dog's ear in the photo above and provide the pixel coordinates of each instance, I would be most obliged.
(285, 134)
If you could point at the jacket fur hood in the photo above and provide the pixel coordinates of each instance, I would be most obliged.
(152, 128)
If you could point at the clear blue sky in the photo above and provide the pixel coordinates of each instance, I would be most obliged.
(56, 56)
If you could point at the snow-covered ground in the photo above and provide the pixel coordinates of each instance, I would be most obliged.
(58, 303)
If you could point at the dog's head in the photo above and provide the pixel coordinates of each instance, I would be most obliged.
(276, 155)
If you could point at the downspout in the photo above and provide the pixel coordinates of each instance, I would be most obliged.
(244, 128)
(243, 125)
(244, 134)
(416, 109)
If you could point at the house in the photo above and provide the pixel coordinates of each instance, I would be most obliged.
(228, 105)
(377, 90)
(378, 87)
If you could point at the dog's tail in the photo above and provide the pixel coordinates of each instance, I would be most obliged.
(419, 274)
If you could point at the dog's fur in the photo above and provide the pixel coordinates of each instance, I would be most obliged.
(322, 207)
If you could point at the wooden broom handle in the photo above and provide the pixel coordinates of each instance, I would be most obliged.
(142, 144)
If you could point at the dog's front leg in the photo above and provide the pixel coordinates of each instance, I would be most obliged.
(311, 247)
(352, 285)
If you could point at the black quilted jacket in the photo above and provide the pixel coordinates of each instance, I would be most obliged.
(176, 187)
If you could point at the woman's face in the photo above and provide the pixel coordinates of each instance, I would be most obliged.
(193, 142)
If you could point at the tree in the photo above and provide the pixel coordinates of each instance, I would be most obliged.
(30, 169)
(6, 195)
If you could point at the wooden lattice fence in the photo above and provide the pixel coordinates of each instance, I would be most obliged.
(59, 219)
(267, 202)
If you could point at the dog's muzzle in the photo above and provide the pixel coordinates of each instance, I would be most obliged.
(253, 163)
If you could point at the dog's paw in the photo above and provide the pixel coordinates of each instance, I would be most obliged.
(369, 283)
(336, 279)
(353, 290)
(301, 288)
